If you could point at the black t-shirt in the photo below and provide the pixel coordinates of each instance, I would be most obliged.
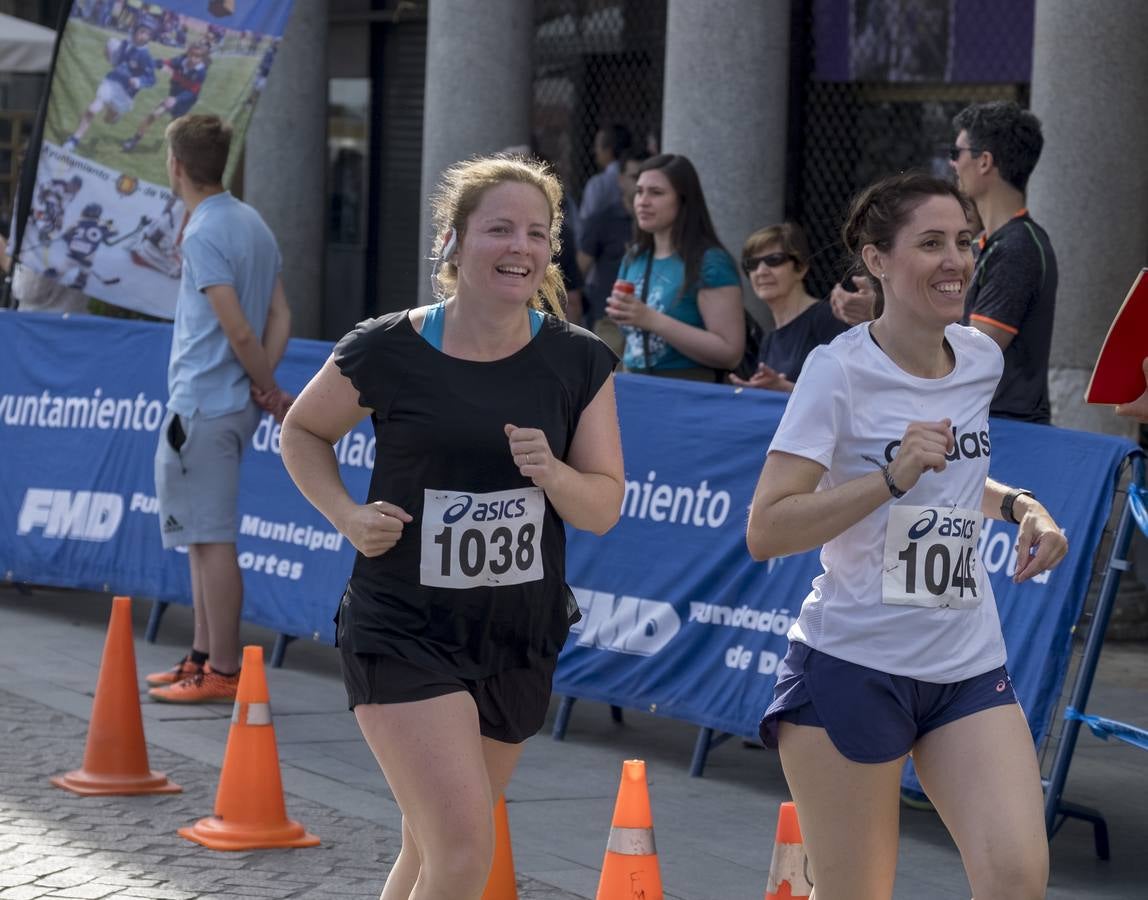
(476, 584)
(784, 349)
(1014, 288)
(605, 235)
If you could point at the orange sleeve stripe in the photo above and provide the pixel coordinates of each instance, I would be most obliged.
(1001, 325)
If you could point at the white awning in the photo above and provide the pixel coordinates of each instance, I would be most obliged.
(25, 46)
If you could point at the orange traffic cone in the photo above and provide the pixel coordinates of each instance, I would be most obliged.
(789, 868)
(115, 758)
(501, 885)
(630, 868)
(249, 808)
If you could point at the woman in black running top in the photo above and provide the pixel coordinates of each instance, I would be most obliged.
(495, 426)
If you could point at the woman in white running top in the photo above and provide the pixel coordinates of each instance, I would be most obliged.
(882, 459)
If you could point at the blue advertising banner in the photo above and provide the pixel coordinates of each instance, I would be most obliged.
(81, 401)
(677, 619)
(103, 220)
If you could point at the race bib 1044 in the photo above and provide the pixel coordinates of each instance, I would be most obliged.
(931, 557)
(475, 540)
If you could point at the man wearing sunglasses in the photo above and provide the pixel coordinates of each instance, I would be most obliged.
(1012, 295)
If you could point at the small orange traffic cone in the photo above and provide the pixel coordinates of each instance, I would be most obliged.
(789, 868)
(501, 884)
(115, 757)
(249, 810)
(630, 868)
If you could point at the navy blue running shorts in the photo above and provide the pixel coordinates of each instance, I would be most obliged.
(511, 704)
(871, 716)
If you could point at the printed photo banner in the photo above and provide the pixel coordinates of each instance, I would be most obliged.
(103, 219)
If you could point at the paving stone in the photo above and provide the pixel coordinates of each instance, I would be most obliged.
(55, 844)
(90, 891)
(25, 892)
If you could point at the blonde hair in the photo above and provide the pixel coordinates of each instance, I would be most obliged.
(458, 194)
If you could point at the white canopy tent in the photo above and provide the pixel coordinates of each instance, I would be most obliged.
(25, 46)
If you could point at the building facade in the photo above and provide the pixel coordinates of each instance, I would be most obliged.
(787, 107)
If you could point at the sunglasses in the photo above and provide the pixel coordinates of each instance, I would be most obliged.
(773, 260)
(955, 152)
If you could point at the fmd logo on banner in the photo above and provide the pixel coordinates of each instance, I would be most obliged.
(103, 219)
(78, 515)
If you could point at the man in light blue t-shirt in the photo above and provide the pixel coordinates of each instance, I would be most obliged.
(231, 328)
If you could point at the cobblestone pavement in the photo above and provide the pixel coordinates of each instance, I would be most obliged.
(56, 844)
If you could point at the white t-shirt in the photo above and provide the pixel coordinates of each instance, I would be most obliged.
(903, 590)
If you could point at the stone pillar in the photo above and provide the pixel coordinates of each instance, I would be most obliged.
(478, 90)
(285, 173)
(725, 107)
(1090, 188)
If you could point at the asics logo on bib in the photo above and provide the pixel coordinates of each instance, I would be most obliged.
(514, 508)
(482, 539)
(951, 526)
(969, 445)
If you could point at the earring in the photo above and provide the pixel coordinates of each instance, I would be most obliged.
(884, 275)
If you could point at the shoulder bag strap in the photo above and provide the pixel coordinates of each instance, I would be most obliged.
(645, 294)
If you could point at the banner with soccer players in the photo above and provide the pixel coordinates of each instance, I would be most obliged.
(103, 218)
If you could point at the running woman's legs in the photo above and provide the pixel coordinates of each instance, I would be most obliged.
(981, 774)
(443, 774)
(501, 759)
(849, 815)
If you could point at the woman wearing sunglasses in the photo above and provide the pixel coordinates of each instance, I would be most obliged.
(684, 317)
(776, 260)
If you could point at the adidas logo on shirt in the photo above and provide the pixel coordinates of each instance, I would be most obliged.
(970, 445)
(171, 524)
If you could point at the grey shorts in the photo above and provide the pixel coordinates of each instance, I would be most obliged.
(197, 476)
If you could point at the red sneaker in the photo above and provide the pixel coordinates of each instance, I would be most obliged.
(207, 686)
(185, 668)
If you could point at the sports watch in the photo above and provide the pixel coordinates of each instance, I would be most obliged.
(1007, 503)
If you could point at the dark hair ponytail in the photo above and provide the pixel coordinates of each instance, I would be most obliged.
(881, 210)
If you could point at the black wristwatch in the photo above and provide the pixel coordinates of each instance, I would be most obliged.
(1007, 503)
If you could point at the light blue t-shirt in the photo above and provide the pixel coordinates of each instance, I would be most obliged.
(666, 275)
(226, 242)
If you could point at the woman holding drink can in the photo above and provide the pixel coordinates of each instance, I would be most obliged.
(678, 297)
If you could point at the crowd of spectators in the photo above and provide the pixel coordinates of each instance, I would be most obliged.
(662, 289)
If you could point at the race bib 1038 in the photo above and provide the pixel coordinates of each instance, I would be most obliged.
(475, 540)
(931, 557)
